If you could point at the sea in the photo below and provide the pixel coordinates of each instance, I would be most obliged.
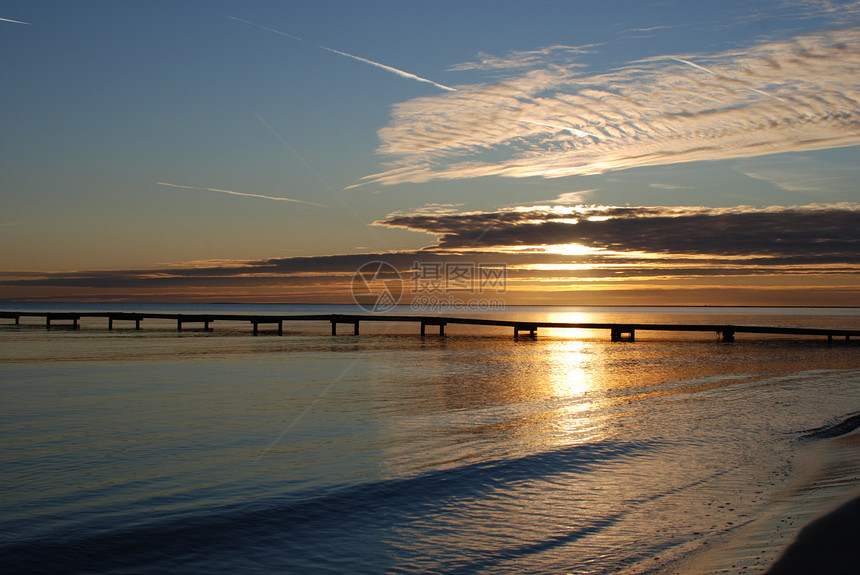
(166, 451)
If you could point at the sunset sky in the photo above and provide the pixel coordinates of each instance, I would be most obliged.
(616, 152)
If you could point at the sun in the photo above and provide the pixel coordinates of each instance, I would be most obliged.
(572, 250)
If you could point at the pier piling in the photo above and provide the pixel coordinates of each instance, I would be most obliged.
(532, 329)
(441, 325)
(622, 333)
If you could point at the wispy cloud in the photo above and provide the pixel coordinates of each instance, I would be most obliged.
(563, 57)
(577, 197)
(243, 194)
(793, 95)
(14, 21)
(391, 69)
(668, 187)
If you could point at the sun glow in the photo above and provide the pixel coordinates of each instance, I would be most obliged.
(573, 250)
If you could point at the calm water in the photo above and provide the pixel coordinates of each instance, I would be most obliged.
(154, 451)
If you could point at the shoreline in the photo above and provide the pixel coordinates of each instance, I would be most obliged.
(812, 525)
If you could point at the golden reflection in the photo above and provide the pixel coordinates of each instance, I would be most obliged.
(568, 374)
(570, 378)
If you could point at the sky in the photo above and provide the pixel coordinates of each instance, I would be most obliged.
(609, 153)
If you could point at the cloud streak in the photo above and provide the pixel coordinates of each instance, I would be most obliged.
(775, 97)
(243, 194)
(396, 71)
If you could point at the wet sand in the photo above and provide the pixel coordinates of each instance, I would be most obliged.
(811, 527)
(830, 544)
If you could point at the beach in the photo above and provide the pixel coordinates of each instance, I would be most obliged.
(810, 526)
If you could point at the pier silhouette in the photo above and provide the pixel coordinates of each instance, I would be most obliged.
(617, 331)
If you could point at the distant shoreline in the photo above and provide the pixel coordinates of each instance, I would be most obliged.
(548, 305)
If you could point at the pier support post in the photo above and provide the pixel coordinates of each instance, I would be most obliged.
(255, 327)
(622, 333)
(532, 329)
(281, 327)
(441, 325)
(206, 326)
(75, 319)
(334, 326)
(178, 324)
(728, 336)
(137, 324)
(110, 324)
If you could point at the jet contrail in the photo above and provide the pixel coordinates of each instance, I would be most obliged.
(281, 199)
(756, 90)
(574, 131)
(401, 73)
(14, 21)
(763, 93)
(694, 65)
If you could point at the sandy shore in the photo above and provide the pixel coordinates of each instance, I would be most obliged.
(812, 527)
(830, 544)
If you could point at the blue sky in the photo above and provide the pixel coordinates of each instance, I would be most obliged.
(163, 135)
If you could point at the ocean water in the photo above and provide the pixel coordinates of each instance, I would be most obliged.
(158, 451)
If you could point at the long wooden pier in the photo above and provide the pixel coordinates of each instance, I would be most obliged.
(617, 331)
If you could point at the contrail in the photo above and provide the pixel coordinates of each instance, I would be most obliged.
(397, 71)
(694, 65)
(231, 192)
(574, 131)
(763, 93)
(400, 73)
(319, 177)
(756, 90)
(14, 21)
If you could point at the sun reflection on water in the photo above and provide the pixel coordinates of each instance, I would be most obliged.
(574, 382)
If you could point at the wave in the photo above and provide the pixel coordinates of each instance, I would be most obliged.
(842, 427)
(335, 521)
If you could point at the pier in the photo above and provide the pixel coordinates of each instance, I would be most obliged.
(618, 332)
